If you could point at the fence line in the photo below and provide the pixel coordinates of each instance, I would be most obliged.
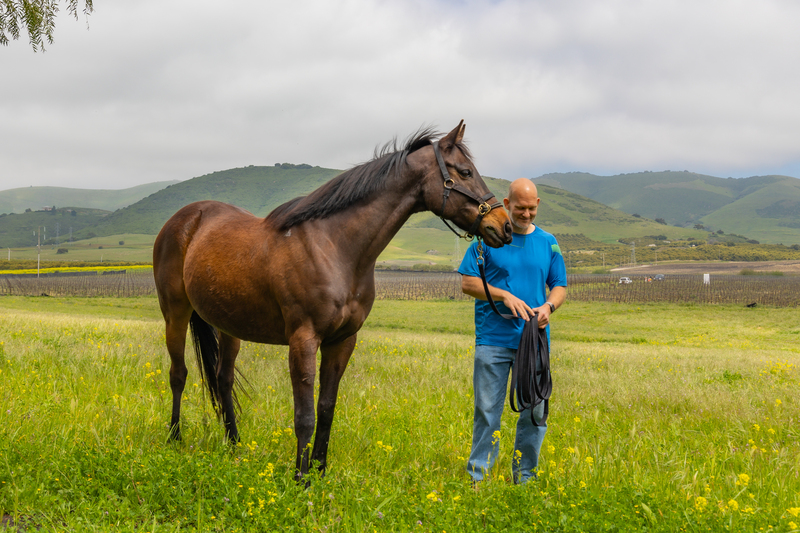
(117, 283)
(778, 291)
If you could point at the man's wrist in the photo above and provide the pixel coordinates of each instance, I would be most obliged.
(552, 307)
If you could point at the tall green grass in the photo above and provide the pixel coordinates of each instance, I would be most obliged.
(663, 418)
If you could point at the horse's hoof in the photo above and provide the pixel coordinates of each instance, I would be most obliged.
(174, 435)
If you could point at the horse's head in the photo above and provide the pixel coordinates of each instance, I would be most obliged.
(454, 190)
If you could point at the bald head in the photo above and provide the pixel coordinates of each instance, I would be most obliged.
(522, 204)
(522, 188)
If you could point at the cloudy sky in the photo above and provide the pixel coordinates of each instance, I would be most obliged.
(172, 89)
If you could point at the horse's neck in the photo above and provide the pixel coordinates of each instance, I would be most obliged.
(366, 230)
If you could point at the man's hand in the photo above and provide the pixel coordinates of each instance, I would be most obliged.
(544, 315)
(473, 286)
(557, 297)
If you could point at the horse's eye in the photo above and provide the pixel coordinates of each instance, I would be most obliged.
(467, 173)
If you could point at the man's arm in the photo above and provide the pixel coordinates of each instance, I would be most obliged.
(473, 286)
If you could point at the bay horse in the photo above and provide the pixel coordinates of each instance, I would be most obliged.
(304, 275)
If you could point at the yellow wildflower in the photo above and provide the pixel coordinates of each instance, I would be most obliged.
(700, 504)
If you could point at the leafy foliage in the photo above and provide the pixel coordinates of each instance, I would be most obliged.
(37, 17)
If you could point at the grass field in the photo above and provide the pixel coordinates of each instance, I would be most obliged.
(664, 417)
(136, 248)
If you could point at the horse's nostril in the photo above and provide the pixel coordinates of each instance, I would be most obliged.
(507, 228)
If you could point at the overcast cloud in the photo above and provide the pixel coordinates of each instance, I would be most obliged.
(172, 89)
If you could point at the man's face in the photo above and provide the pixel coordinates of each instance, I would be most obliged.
(521, 209)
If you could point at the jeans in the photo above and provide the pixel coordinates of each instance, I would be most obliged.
(490, 381)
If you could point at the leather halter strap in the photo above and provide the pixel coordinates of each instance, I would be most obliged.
(484, 207)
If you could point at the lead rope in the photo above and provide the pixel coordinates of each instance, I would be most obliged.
(531, 382)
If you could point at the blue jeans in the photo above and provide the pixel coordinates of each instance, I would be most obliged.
(490, 381)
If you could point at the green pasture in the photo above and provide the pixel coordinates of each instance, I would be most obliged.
(136, 248)
(664, 417)
(409, 247)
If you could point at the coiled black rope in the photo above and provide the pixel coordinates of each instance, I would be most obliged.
(531, 382)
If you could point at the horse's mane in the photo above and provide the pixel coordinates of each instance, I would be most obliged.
(354, 184)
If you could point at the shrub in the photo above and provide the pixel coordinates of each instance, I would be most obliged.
(122, 243)
(62, 251)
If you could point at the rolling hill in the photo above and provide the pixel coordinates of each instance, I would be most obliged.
(55, 226)
(256, 189)
(765, 208)
(261, 189)
(584, 225)
(35, 198)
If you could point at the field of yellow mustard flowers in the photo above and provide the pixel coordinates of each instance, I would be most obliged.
(664, 417)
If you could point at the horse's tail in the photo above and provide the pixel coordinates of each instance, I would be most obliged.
(206, 349)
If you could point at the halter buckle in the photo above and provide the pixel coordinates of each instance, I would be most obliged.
(484, 209)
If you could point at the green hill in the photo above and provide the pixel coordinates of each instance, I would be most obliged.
(765, 208)
(425, 239)
(56, 226)
(257, 189)
(590, 232)
(36, 198)
(565, 212)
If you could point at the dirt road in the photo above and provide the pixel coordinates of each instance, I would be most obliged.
(714, 267)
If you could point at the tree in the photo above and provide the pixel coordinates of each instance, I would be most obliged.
(38, 17)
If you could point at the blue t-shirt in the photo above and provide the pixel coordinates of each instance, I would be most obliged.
(523, 268)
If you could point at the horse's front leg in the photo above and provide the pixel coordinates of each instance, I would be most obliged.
(303, 347)
(334, 361)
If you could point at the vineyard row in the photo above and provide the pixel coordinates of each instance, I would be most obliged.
(777, 291)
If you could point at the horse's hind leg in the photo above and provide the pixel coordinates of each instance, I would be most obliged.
(334, 361)
(226, 377)
(176, 344)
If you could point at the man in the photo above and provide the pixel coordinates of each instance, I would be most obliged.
(518, 275)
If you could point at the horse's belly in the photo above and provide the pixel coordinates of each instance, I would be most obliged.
(241, 309)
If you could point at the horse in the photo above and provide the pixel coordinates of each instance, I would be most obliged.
(303, 276)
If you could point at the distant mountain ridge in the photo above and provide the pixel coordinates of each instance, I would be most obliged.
(261, 189)
(765, 208)
(35, 198)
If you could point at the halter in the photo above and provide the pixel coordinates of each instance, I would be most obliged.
(484, 207)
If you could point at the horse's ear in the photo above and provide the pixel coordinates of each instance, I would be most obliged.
(454, 137)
